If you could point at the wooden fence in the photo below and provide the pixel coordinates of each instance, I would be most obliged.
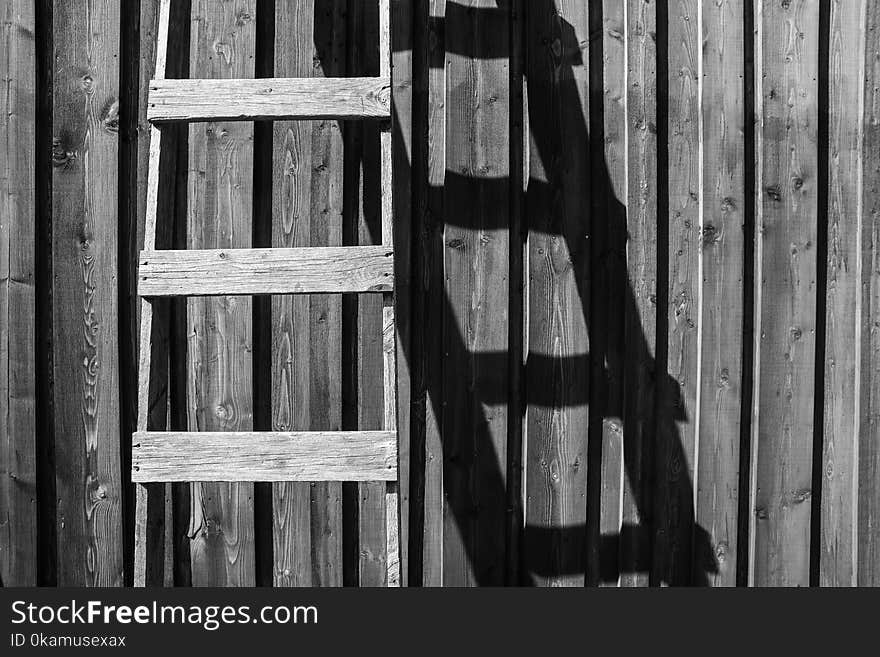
(639, 292)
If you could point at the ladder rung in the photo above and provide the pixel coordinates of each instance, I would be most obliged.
(159, 456)
(229, 272)
(269, 98)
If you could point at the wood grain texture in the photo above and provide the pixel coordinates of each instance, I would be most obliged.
(366, 189)
(221, 272)
(275, 98)
(220, 204)
(430, 288)
(839, 511)
(868, 518)
(475, 273)
(267, 456)
(291, 218)
(640, 329)
(787, 229)
(677, 388)
(402, 81)
(84, 295)
(721, 321)
(558, 361)
(608, 289)
(18, 465)
(325, 311)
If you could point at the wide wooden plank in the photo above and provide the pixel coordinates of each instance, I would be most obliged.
(264, 456)
(85, 296)
(782, 451)
(219, 330)
(677, 387)
(216, 272)
(275, 98)
(640, 313)
(558, 210)
(18, 465)
(868, 491)
(476, 281)
(721, 321)
(839, 514)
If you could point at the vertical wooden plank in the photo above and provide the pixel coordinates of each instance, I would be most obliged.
(787, 231)
(640, 320)
(558, 363)
(678, 414)
(609, 190)
(868, 491)
(839, 512)
(364, 58)
(85, 295)
(325, 311)
(219, 329)
(402, 46)
(291, 221)
(721, 317)
(18, 494)
(431, 294)
(476, 250)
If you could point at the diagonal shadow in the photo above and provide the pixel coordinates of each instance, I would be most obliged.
(666, 542)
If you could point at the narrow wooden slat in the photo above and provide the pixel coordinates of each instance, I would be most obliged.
(150, 555)
(839, 515)
(270, 98)
(85, 295)
(402, 23)
(724, 201)
(18, 383)
(677, 388)
(609, 289)
(868, 488)
(267, 456)
(557, 206)
(292, 177)
(787, 272)
(219, 330)
(219, 272)
(640, 329)
(430, 291)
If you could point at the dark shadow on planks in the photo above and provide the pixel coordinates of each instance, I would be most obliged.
(667, 543)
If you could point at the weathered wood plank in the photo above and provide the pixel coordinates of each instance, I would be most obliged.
(432, 55)
(220, 272)
(640, 319)
(18, 466)
(219, 330)
(84, 295)
(608, 237)
(677, 386)
(291, 219)
(558, 210)
(325, 311)
(402, 47)
(475, 327)
(276, 98)
(721, 322)
(839, 512)
(786, 325)
(266, 456)
(868, 518)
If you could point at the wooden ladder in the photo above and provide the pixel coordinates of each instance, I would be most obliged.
(159, 457)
